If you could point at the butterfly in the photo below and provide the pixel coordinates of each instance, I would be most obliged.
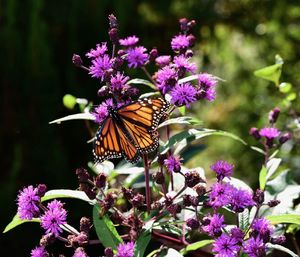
(130, 131)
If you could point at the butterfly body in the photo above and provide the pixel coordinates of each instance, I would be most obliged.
(130, 130)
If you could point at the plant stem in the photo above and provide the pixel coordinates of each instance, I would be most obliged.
(147, 181)
(148, 75)
(296, 245)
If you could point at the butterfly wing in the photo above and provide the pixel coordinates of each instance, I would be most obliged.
(111, 142)
(141, 119)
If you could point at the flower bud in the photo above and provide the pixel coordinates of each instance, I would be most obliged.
(113, 22)
(108, 252)
(41, 189)
(103, 91)
(47, 239)
(153, 54)
(191, 24)
(82, 174)
(192, 40)
(128, 193)
(85, 225)
(273, 115)
(278, 240)
(192, 178)
(88, 191)
(285, 137)
(189, 53)
(273, 203)
(200, 189)
(138, 200)
(113, 35)
(159, 178)
(193, 223)
(117, 62)
(183, 24)
(100, 180)
(255, 133)
(259, 196)
(77, 61)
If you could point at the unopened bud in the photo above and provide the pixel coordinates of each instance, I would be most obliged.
(285, 137)
(189, 53)
(183, 24)
(113, 35)
(42, 189)
(103, 91)
(100, 180)
(273, 203)
(278, 240)
(273, 115)
(47, 239)
(255, 133)
(85, 225)
(153, 54)
(259, 197)
(108, 252)
(193, 223)
(200, 189)
(77, 61)
(113, 22)
(82, 174)
(159, 178)
(192, 40)
(138, 200)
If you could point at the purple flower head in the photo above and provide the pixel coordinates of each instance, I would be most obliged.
(126, 249)
(163, 60)
(262, 228)
(180, 43)
(206, 87)
(223, 169)
(225, 246)
(99, 51)
(220, 195)
(214, 226)
(183, 94)
(101, 112)
(173, 163)
(28, 201)
(118, 81)
(241, 199)
(255, 247)
(79, 252)
(39, 251)
(237, 234)
(55, 216)
(101, 67)
(183, 65)
(269, 133)
(136, 57)
(166, 79)
(129, 41)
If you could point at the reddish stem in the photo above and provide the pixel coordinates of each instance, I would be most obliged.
(147, 181)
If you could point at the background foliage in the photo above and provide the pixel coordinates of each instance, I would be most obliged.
(38, 38)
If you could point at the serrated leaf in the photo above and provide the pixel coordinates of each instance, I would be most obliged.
(284, 218)
(281, 248)
(69, 101)
(66, 193)
(195, 246)
(190, 135)
(181, 120)
(271, 73)
(77, 116)
(244, 219)
(143, 240)
(16, 221)
(285, 87)
(106, 232)
(263, 178)
(142, 82)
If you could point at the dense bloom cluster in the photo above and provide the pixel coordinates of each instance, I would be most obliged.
(39, 251)
(223, 169)
(126, 249)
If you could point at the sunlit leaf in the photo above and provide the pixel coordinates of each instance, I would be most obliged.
(16, 221)
(181, 120)
(105, 230)
(263, 177)
(77, 116)
(182, 109)
(66, 193)
(291, 96)
(141, 82)
(284, 218)
(69, 101)
(195, 246)
(285, 87)
(272, 166)
(271, 73)
(173, 253)
(281, 248)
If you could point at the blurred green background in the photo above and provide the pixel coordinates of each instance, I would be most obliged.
(38, 38)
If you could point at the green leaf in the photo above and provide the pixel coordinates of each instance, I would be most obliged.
(257, 149)
(284, 218)
(173, 253)
(183, 138)
(281, 248)
(181, 120)
(195, 246)
(291, 96)
(285, 87)
(77, 116)
(106, 232)
(69, 101)
(143, 240)
(263, 178)
(271, 73)
(272, 167)
(142, 82)
(16, 221)
(66, 193)
(182, 109)
(153, 252)
(150, 94)
(244, 219)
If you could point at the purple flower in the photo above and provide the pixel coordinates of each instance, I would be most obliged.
(241, 199)
(220, 195)
(129, 41)
(180, 42)
(173, 163)
(183, 65)
(237, 234)
(225, 246)
(126, 249)
(163, 60)
(101, 67)
(166, 79)
(101, 111)
(255, 247)
(183, 94)
(261, 228)
(206, 87)
(136, 57)
(79, 252)
(55, 216)
(99, 51)
(39, 251)
(28, 201)
(223, 169)
(269, 133)
(118, 81)
(214, 226)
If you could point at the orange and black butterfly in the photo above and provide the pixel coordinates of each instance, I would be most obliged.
(130, 130)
